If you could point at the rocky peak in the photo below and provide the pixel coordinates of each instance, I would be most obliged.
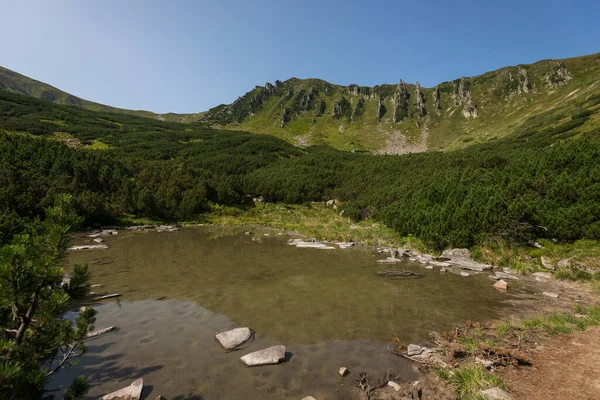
(269, 87)
(437, 100)
(464, 98)
(400, 99)
(420, 101)
(354, 89)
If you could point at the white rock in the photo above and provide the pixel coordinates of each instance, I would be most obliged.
(495, 394)
(131, 392)
(233, 338)
(271, 355)
(428, 267)
(547, 263)
(463, 273)
(345, 245)
(551, 294)
(394, 386)
(343, 371)
(542, 275)
(98, 240)
(443, 270)
(456, 253)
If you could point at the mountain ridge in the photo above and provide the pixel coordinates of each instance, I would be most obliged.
(388, 118)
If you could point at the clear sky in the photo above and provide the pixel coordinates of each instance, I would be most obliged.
(188, 56)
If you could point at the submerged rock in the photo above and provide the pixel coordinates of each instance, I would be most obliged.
(271, 355)
(233, 338)
(389, 260)
(131, 392)
(394, 386)
(501, 285)
(414, 349)
(343, 371)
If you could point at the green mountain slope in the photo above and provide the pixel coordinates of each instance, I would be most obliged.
(403, 118)
(17, 83)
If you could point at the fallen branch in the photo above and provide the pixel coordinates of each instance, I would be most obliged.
(108, 296)
(100, 332)
(405, 356)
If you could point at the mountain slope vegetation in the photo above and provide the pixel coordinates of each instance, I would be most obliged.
(542, 180)
(405, 118)
(17, 83)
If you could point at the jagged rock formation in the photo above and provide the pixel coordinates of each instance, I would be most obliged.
(524, 82)
(380, 110)
(465, 99)
(320, 107)
(437, 101)
(354, 89)
(341, 108)
(358, 109)
(559, 75)
(285, 117)
(420, 101)
(400, 100)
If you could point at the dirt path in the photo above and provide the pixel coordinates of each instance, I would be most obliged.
(564, 367)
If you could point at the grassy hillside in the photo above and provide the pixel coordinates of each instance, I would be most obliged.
(17, 83)
(478, 110)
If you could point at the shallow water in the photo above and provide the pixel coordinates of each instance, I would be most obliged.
(329, 307)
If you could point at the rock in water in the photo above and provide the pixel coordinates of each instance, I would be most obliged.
(456, 253)
(495, 394)
(501, 285)
(233, 338)
(271, 355)
(131, 392)
(394, 386)
(343, 371)
(414, 349)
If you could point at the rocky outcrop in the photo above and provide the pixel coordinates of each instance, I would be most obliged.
(341, 108)
(354, 89)
(437, 100)
(559, 75)
(380, 110)
(285, 117)
(465, 98)
(320, 107)
(358, 109)
(271, 355)
(269, 87)
(420, 101)
(401, 98)
(524, 81)
(337, 110)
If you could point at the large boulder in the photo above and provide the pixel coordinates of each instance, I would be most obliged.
(233, 338)
(131, 392)
(271, 355)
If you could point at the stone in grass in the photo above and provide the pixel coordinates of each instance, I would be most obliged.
(495, 394)
(270, 355)
(551, 294)
(131, 392)
(233, 338)
(501, 285)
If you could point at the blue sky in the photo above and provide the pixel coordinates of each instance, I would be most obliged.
(188, 56)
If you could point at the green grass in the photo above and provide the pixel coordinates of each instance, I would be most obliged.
(313, 220)
(98, 145)
(468, 380)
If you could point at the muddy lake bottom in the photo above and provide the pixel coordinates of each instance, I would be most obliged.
(328, 307)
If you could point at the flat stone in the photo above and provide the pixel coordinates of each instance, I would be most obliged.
(495, 394)
(551, 294)
(501, 285)
(343, 371)
(270, 355)
(131, 392)
(389, 260)
(98, 240)
(463, 273)
(439, 264)
(345, 245)
(394, 386)
(543, 275)
(414, 350)
(504, 275)
(428, 267)
(233, 338)
(443, 270)
(470, 264)
(88, 247)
